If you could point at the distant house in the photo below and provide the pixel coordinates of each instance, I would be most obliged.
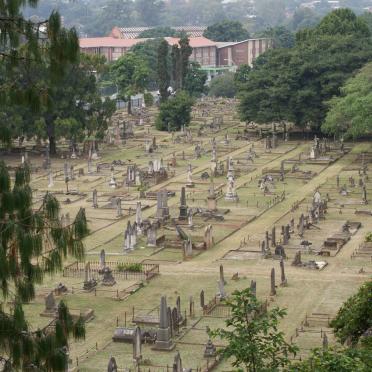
(134, 32)
(212, 56)
(242, 52)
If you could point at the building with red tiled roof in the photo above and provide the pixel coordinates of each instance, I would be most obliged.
(209, 54)
(134, 32)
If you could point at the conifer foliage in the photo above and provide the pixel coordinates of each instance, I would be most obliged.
(33, 243)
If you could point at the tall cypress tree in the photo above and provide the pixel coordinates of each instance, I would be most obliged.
(162, 73)
(24, 43)
(176, 68)
(185, 53)
(33, 244)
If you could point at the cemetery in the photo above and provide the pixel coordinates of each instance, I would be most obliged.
(180, 220)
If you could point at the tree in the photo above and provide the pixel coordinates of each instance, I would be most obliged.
(350, 114)
(163, 77)
(149, 11)
(25, 43)
(131, 74)
(296, 84)
(175, 112)
(180, 55)
(195, 80)
(349, 360)
(241, 75)
(355, 316)
(281, 36)
(33, 243)
(158, 32)
(226, 31)
(252, 336)
(223, 86)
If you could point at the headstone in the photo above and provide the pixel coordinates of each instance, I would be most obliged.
(177, 364)
(364, 195)
(253, 288)
(202, 299)
(325, 341)
(231, 193)
(163, 339)
(189, 182)
(297, 259)
(187, 247)
(50, 177)
(272, 283)
(282, 274)
(183, 206)
(119, 212)
(273, 237)
(151, 235)
(112, 366)
(221, 290)
(137, 345)
(50, 303)
(139, 217)
(108, 279)
(210, 350)
(102, 259)
(222, 276)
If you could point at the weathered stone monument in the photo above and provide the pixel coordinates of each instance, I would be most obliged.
(137, 345)
(183, 206)
(163, 335)
(272, 283)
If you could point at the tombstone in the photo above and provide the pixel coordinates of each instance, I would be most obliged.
(301, 225)
(112, 182)
(364, 195)
(187, 247)
(175, 320)
(210, 350)
(202, 299)
(211, 198)
(189, 182)
(139, 217)
(151, 235)
(162, 211)
(137, 345)
(231, 193)
(279, 251)
(72, 173)
(208, 238)
(273, 237)
(50, 177)
(65, 170)
(102, 260)
(317, 199)
(177, 364)
(112, 366)
(89, 282)
(297, 259)
(221, 290)
(338, 181)
(163, 339)
(119, 212)
(183, 206)
(95, 202)
(282, 274)
(272, 283)
(253, 287)
(50, 303)
(90, 166)
(190, 216)
(169, 315)
(222, 276)
(267, 241)
(325, 341)
(108, 279)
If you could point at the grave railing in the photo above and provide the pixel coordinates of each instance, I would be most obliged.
(145, 272)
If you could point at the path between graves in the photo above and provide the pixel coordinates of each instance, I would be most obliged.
(98, 239)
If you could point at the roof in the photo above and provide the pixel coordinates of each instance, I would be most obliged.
(223, 44)
(195, 42)
(97, 42)
(133, 32)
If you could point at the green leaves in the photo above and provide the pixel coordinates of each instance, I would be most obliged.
(226, 31)
(175, 112)
(252, 336)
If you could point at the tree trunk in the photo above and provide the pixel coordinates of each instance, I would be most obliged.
(52, 145)
(129, 105)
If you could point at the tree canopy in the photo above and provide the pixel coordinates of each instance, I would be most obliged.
(226, 31)
(158, 32)
(350, 115)
(253, 339)
(296, 84)
(223, 86)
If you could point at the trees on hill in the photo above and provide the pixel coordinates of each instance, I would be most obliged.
(223, 86)
(350, 114)
(296, 84)
(226, 31)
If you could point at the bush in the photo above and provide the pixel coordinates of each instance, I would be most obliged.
(149, 99)
(223, 86)
(175, 112)
(131, 267)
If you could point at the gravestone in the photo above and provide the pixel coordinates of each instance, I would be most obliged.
(183, 206)
(222, 276)
(273, 237)
(272, 283)
(50, 304)
(221, 290)
(189, 182)
(139, 217)
(253, 288)
(108, 279)
(112, 366)
(177, 364)
(119, 211)
(163, 339)
(202, 299)
(282, 274)
(137, 345)
(151, 235)
(210, 350)
(297, 259)
(102, 259)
